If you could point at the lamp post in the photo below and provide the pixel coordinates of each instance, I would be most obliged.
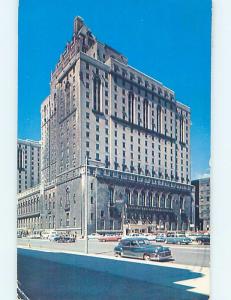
(86, 208)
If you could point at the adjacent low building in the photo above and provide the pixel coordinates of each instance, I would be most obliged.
(202, 203)
(115, 145)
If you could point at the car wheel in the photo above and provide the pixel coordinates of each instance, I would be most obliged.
(146, 257)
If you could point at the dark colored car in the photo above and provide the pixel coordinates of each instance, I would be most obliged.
(65, 239)
(160, 238)
(203, 240)
(19, 235)
(178, 240)
(142, 248)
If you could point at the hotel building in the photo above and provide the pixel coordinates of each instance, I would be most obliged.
(114, 138)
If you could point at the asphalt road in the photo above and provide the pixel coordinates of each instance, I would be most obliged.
(194, 255)
(43, 276)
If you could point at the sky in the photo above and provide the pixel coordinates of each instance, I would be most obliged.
(169, 40)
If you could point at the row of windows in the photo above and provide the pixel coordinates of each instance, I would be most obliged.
(97, 106)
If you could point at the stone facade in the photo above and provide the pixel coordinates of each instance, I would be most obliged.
(29, 209)
(134, 133)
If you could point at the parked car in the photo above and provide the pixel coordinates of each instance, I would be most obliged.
(94, 236)
(35, 235)
(193, 237)
(151, 237)
(110, 238)
(142, 248)
(203, 240)
(65, 239)
(160, 238)
(19, 234)
(45, 235)
(132, 235)
(178, 240)
(54, 236)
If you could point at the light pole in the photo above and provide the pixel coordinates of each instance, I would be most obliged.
(86, 208)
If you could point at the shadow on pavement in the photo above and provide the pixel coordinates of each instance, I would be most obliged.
(62, 276)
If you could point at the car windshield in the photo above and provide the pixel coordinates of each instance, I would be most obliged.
(144, 242)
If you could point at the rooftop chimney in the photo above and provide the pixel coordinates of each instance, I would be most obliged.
(78, 24)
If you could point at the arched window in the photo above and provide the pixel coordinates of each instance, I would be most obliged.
(158, 200)
(150, 204)
(143, 198)
(128, 197)
(181, 203)
(135, 198)
(169, 201)
(67, 91)
(96, 93)
(111, 195)
(162, 201)
(182, 129)
(37, 204)
(131, 107)
(159, 119)
(145, 113)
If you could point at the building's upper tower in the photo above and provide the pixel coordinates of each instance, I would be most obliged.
(101, 107)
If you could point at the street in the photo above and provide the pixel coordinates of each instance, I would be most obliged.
(194, 255)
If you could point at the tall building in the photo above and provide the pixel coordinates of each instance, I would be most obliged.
(130, 133)
(29, 163)
(202, 203)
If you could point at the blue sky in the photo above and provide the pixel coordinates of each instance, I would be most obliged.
(166, 39)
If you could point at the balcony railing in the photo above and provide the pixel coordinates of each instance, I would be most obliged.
(29, 215)
(136, 178)
(148, 208)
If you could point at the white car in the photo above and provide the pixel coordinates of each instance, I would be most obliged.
(94, 236)
(133, 235)
(34, 236)
(53, 236)
(45, 235)
(150, 237)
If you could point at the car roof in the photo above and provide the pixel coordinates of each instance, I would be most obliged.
(135, 239)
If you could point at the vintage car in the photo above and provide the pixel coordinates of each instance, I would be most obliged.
(109, 238)
(66, 239)
(142, 248)
(203, 240)
(54, 236)
(178, 240)
(161, 237)
(93, 236)
(35, 235)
